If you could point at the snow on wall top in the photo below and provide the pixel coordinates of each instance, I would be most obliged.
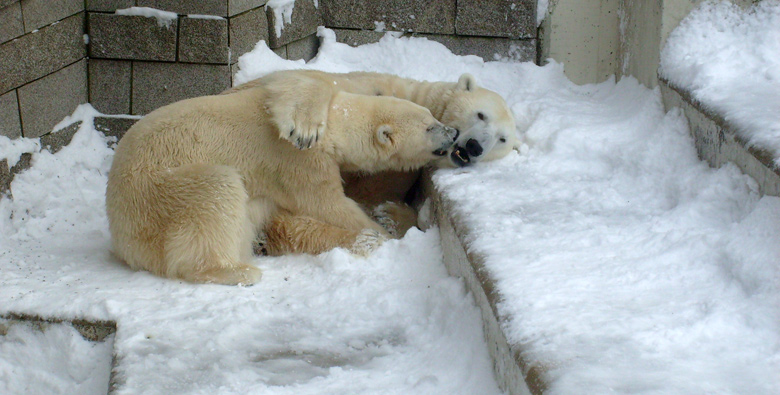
(164, 18)
(728, 58)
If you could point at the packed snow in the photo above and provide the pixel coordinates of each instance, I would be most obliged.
(625, 264)
(728, 58)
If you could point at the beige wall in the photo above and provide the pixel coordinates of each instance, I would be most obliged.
(595, 39)
(583, 35)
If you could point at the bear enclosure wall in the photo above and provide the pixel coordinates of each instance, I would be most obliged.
(55, 55)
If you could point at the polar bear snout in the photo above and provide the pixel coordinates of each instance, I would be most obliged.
(443, 138)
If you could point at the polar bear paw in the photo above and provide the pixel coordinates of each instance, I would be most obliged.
(303, 127)
(366, 242)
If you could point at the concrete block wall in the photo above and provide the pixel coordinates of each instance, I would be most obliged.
(492, 29)
(42, 64)
(137, 63)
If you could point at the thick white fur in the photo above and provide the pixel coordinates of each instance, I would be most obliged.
(300, 115)
(300, 112)
(193, 181)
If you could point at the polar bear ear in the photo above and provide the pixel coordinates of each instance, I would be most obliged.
(467, 82)
(383, 133)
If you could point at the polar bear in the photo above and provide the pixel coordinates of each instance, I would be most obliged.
(193, 181)
(486, 125)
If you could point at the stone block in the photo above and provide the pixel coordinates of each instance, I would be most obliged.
(45, 102)
(57, 139)
(489, 48)
(497, 18)
(358, 37)
(4, 3)
(303, 22)
(305, 48)
(421, 16)
(11, 22)
(245, 31)
(718, 143)
(114, 126)
(281, 52)
(39, 13)
(35, 55)
(236, 7)
(203, 40)
(157, 84)
(188, 7)
(10, 125)
(109, 5)
(114, 36)
(109, 85)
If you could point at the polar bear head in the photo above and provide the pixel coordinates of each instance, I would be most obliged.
(486, 125)
(376, 133)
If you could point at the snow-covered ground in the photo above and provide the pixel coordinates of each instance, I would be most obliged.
(626, 264)
(394, 323)
(728, 58)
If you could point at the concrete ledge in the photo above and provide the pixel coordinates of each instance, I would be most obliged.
(95, 331)
(718, 143)
(513, 374)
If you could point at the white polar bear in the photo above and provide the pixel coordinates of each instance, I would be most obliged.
(193, 181)
(486, 126)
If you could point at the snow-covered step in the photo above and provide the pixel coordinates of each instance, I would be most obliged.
(718, 143)
(55, 356)
(513, 374)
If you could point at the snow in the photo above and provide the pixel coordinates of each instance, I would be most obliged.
(728, 58)
(54, 359)
(201, 16)
(12, 149)
(541, 11)
(164, 18)
(625, 264)
(282, 10)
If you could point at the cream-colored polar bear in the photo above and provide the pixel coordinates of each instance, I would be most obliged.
(486, 125)
(193, 181)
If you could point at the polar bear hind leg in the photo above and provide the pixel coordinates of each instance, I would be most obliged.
(301, 234)
(209, 235)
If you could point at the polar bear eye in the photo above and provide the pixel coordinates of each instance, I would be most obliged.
(481, 116)
(502, 139)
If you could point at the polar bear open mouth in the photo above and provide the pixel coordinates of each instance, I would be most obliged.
(460, 157)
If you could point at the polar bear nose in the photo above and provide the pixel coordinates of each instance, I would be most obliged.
(473, 147)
